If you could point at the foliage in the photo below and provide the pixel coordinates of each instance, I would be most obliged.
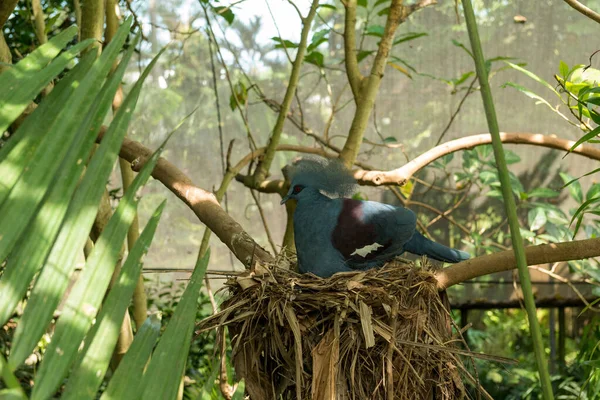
(503, 332)
(43, 188)
(578, 90)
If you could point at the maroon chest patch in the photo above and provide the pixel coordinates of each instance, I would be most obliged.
(352, 232)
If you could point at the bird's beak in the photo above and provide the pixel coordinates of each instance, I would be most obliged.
(284, 199)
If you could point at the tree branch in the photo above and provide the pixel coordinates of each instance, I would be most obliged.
(92, 21)
(369, 88)
(39, 22)
(354, 76)
(6, 8)
(262, 170)
(204, 204)
(505, 260)
(400, 175)
(588, 12)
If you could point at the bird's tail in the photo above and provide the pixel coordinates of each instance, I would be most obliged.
(422, 246)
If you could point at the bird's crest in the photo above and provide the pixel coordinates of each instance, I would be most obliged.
(327, 175)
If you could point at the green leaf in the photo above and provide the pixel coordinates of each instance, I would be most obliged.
(318, 38)
(95, 357)
(207, 389)
(22, 201)
(499, 58)
(578, 224)
(12, 394)
(568, 179)
(362, 3)
(533, 76)
(590, 135)
(288, 44)
(580, 211)
(390, 139)
(407, 188)
(384, 11)
(409, 36)
(488, 177)
(359, 196)
(528, 93)
(496, 193)
(28, 257)
(86, 295)
(328, 6)
(462, 78)
(127, 379)
(536, 218)
(239, 95)
(484, 151)
(593, 191)
(315, 58)
(543, 193)
(375, 30)
(462, 46)
(163, 376)
(516, 185)
(511, 157)
(53, 279)
(10, 381)
(21, 88)
(363, 54)
(563, 69)
(225, 12)
(20, 149)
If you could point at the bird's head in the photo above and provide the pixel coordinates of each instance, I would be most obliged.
(312, 176)
(295, 192)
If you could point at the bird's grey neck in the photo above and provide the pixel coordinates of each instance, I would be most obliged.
(313, 195)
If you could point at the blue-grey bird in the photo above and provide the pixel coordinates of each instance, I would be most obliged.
(336, 234)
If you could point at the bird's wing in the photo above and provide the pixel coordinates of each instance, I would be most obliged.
(366, 229)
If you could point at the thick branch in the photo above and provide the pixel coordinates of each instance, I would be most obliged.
(352, 71)
(5, 56)
(543, 302)
(588, 12)
(92, 21)
(39, 22)
(505, 260)
(263, 167)
(6, 8)
(401, 175)
(369, 88)
(203, 204)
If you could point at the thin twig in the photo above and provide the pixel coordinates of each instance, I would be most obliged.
(588, 12)
(442, 214)
(251, 140)
(566, 281)
(450, 210)
(453, 116)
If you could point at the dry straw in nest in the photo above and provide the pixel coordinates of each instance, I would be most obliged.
(378, 334)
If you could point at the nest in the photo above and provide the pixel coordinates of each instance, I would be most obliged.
(377, 334)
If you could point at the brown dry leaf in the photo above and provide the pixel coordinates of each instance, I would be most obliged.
(246, 281)
(367, 326)
(325, 357)
(354, 285)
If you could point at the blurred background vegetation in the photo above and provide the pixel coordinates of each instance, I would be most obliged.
(429, 96)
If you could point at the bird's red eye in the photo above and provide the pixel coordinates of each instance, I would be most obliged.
(298, 189)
